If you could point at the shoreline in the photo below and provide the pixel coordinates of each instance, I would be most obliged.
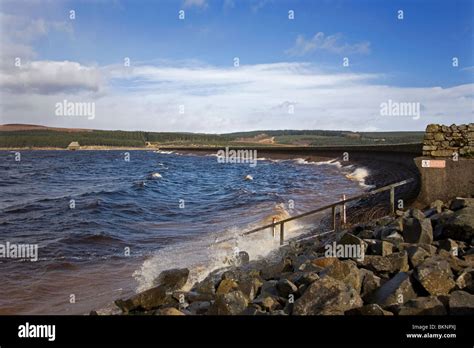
(397, 271)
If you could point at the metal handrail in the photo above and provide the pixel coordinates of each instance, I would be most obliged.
(390, 187)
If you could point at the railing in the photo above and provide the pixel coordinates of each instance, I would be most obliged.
(332, 206)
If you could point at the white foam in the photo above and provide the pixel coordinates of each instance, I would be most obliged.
(359, 175)
(204, 255)
(164, 152)
(156, 175)
(332, 162)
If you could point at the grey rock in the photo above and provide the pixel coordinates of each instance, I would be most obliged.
(418, 230)
(435, 276)
(395, 291)
(369, 309)
(460, 226)
(172, 279)
(416, 255)
(461, 303)
(423, 306)
(231, 303)
(327, 296)
(286, 287)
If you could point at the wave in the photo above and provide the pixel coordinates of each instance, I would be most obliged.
(164, 152)
(359, 175)
(214, 251)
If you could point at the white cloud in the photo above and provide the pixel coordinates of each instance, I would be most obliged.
(222, 99)
(331, 43)
(49, 77)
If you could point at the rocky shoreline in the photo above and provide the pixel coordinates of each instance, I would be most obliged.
(417, 262)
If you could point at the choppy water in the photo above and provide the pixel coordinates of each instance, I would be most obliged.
(168, 220)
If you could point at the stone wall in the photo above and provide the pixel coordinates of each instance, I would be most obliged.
(443, 141)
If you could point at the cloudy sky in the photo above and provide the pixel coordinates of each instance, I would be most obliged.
(236, 65)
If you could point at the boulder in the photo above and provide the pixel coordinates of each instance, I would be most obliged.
(449, 245)
(199, 307)
(379, 247)
(169, 311)
(146, 300)
(461, 303)
(460, 226)
(435, 276)
(306, 278)
(385, 265)
(286, 287)
(459, 203)
(172, 279)
(351, 240)
(369, 309)
(416, 255)
(438, 206)
(323, 262)
(269, 288)
(423, 306)
(418, 230)
(369, 284)
(345, 271)
(465, 281)
(394, 238)
(327, 296)
(205, 286)
(231, 303)
(395, 291)
(274, 270)
(250, 287)
(225, 286)
(268, 303)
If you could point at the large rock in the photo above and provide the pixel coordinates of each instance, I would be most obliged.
(416, 255)
(461, 225)
(172, 279)
(286, 288)
(232, 303)
(370, 309)
(459, 203)
(417, 230)
(423, 306)
(465, 281)
(386, 265)
(274, 270)
(395, 291)
(169, 311)
(461, 303)
(380, 247)
(146, 300)
(435, 276)
(370, 284)
(355, 246)
(250, 287)
(327, 296)
(199, 307)
(225, 286)
(345, 271)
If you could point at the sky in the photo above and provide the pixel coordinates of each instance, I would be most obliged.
(237, 65)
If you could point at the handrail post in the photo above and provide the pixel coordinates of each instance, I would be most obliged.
(334, 218)
(392, 200)
(282, 233)
(344, 211)
(274, 227)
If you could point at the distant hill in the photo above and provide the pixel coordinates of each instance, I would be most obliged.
(27, 135)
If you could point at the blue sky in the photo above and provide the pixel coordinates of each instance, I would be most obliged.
(408, 59)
